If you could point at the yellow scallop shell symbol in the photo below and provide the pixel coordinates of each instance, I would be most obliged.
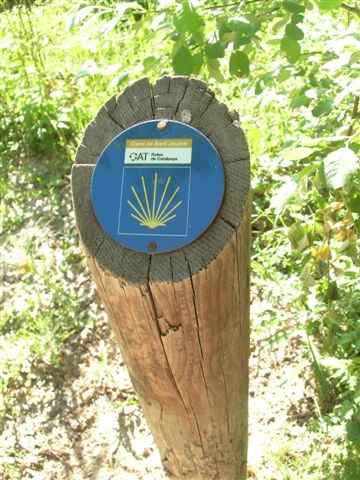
(149, 207)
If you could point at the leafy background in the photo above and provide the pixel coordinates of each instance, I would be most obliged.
(291, 69)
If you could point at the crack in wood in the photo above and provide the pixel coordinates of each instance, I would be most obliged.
(228, 222)
(116, 121)
(195, 311)
(181, 99)
(152, 102)
(201, 360)
(155, 317)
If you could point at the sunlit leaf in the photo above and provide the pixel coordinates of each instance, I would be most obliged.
(239, 63)
(322, 108)
(339, 165)
(300, 101)
(110, 25)
(355, 57)
(189, 21)
(183, 62)
(297, 18)
(293, 6)
(77, 17)
(215, 50)
(150, 62)
(298, 236)
(352, 88)
(291, 48)
(197, 61)
(245, 28)
(123, 7)
(293, 31)
(214, 69)
(298, 153)
(329, 4)
(282, 195)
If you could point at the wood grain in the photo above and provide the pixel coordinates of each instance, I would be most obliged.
(181, 318)
(186, 345)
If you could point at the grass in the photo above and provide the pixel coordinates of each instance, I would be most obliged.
(56, 71)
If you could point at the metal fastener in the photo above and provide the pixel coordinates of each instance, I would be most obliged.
(162, 124)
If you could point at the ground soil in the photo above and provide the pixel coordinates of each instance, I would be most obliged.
(81, 419)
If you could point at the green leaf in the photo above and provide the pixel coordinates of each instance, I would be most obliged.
(189, 21)
(298, 236)
(279, 24)
(284, 74)
(300, 101)
(122, 7)
(183, 62)
(215, 50)
(237, 31)
(297, 18)
(259, 87)
(322, 108)
(352, 192)
(150, 62)
(241, 39)
(109, 26)
(76, 18)
(119, 79)
(293, 154)
(215, 70)
(239, 64)
(293, 7)
(332, 292)
(355, 57)
(197, 60)
(282, 195)
(353, 432)
(327, 5)
(291, 48)
(339, 165)
(353, 203)
(239, 26)
(294, 31)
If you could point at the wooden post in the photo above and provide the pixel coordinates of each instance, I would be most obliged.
(181, 318)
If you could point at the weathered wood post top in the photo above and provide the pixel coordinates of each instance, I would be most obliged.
(161, 197)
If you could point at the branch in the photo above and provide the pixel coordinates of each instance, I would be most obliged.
(232, 4)
(354, 115)
(223, 5)
(351, 9)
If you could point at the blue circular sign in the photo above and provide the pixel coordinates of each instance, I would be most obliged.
(157, 186)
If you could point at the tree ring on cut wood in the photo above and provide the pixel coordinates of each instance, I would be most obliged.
(171, 98)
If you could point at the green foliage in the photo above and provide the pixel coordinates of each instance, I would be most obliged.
(329, 4)
(291, 48)
(239, 64)
(291, 68)
(184, 63)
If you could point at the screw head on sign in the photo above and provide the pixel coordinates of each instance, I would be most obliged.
(152, 246)
(162, 125)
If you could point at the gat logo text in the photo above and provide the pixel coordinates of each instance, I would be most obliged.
(139, 156)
